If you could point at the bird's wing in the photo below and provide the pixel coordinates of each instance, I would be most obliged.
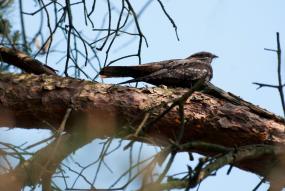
(152, 67)
(136, 71)
(160, 74)
(178, 73)
(190, 70)
(164, 63)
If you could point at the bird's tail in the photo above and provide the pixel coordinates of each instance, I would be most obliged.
(116, 71)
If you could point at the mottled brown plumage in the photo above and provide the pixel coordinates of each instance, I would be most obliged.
(174, 73)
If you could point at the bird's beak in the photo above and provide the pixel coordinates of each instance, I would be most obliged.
(215, 56)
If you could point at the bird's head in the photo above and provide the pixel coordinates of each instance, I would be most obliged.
(203, 56)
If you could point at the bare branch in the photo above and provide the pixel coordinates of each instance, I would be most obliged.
(169, 18)
(280, 85)
(23, 28)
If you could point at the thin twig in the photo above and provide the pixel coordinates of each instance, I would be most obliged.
(70, 27)
(169, 18)
(23, 28)
(280, 87)
(259, 184)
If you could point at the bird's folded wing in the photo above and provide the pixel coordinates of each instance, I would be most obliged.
(160, 74)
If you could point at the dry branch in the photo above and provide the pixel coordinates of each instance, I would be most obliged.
(24, 62)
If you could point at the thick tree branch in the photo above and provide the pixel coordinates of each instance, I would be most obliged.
(32, 101)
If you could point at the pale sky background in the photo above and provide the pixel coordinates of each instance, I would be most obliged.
(237, 31)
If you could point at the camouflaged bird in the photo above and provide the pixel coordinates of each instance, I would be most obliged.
(174, 73)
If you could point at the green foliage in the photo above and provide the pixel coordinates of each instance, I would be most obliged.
(4, 4)
(9, 36)
(6, 34)
(5, 26)
(16, 37)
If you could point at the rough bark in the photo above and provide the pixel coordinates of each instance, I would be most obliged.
(32, 101)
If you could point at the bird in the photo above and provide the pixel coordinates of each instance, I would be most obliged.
(173, 73)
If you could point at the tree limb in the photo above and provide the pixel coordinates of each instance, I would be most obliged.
(24, 62)
(31, 101)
